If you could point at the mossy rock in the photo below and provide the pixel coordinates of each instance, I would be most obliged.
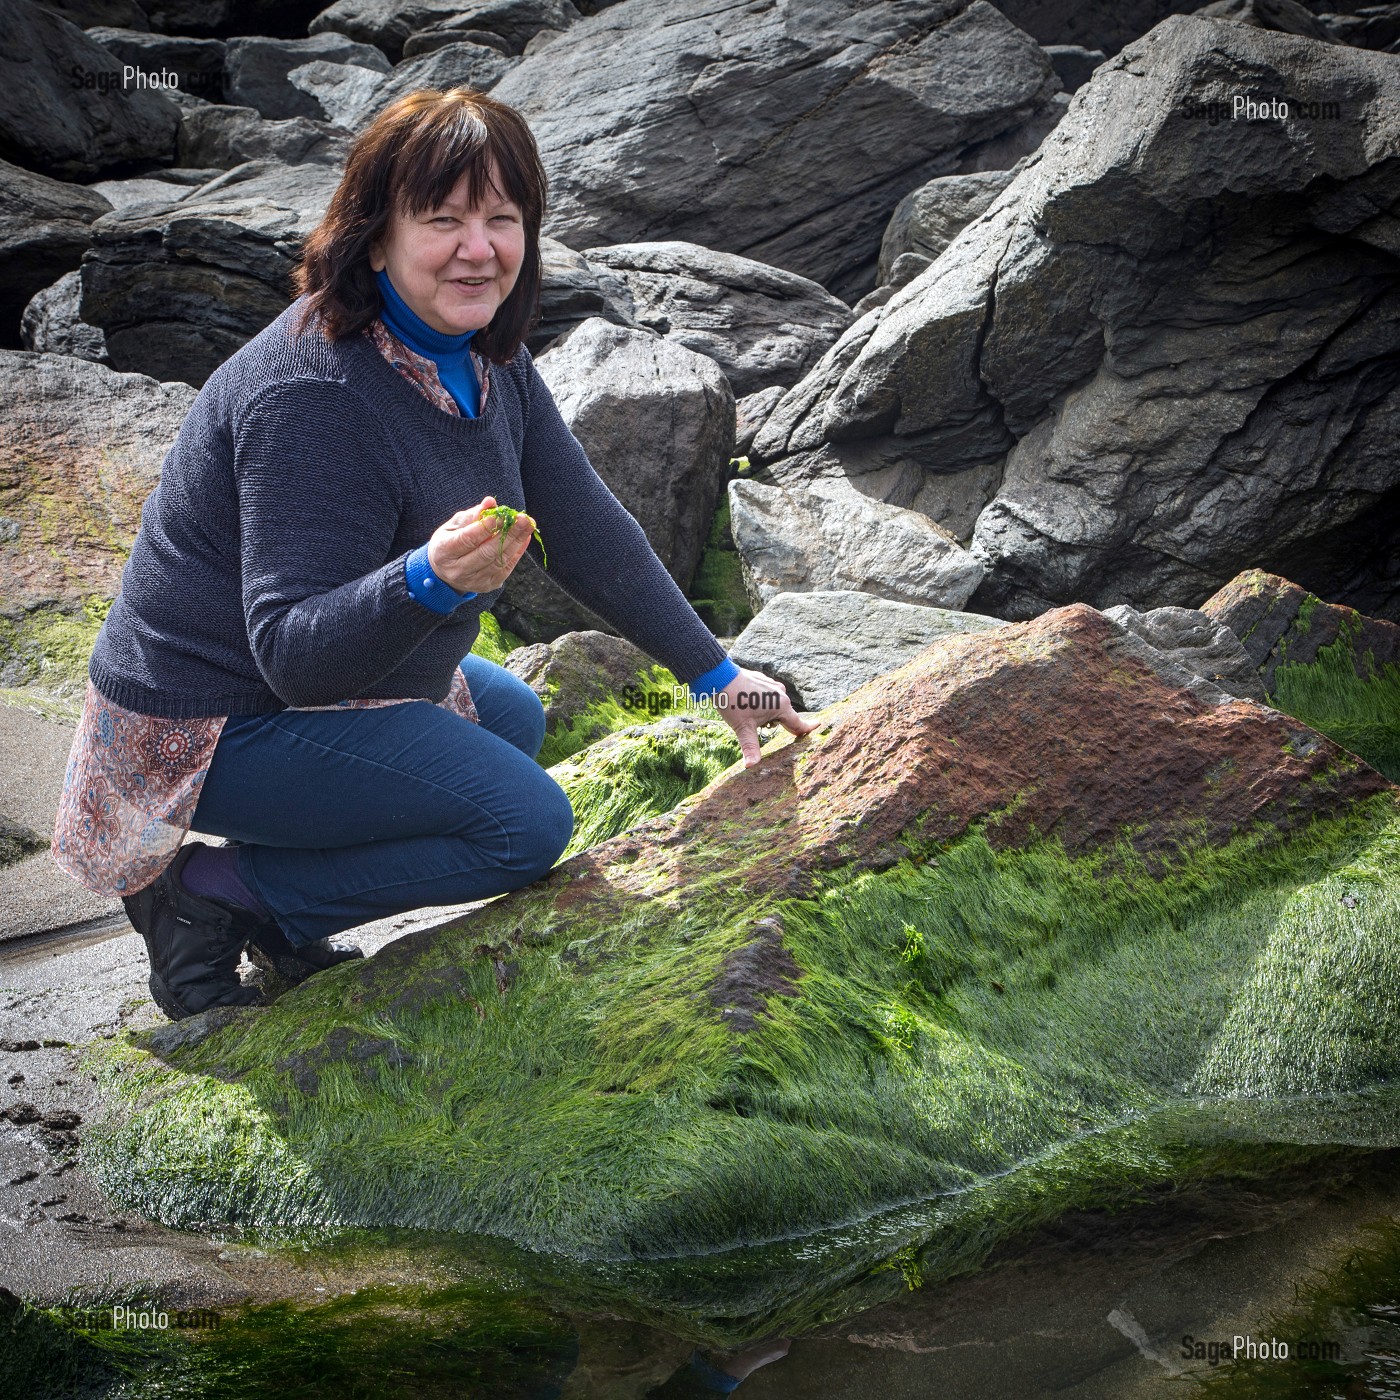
(47, 648)
(1327, 665)
(718, 594)
(494, 642)
(1023, 926)
(592, 684)
(642, 771)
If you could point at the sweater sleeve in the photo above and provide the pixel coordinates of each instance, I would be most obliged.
(597, 552)
(328, 611)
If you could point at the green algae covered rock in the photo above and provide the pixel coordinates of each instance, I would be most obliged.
(642, 771)
(1330, 666)
(1025, 924)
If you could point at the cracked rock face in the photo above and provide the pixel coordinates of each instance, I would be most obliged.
(1173, 341)
(786, 133)
(177, 288)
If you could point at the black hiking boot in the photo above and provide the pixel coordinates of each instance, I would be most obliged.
(270, 949)
(193, 943)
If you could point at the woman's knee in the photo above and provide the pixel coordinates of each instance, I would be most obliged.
(551, 827)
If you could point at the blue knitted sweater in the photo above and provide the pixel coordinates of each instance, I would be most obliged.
(269, 569)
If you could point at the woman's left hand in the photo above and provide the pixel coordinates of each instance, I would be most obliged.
(752, 699)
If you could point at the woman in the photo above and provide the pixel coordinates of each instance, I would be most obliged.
(288, 665)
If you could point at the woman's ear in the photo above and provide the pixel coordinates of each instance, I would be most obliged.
(376, 258)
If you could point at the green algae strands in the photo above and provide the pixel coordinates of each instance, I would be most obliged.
(504, 517)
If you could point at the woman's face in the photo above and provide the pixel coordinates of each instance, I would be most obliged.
(455, 265)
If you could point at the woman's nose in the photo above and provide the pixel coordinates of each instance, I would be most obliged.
(475, 243)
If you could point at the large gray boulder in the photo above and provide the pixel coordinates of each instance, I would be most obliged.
(929, 218)
(761, 325)
(53, 323)
(178, 288)
(825, 645)
(830, 536)
(256, 69)
(1197, 641)
(85, 446)
(63, 107)
(388, 23)
(213, 134)
(1168, 347)
(657, 422)
(340, 92)
(45, 227)
(571, 290)
(455, 65)
(197, 64)
(786, 133)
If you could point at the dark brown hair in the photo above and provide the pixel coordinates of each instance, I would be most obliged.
(410, 158)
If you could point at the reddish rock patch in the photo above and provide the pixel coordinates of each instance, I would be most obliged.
(1052, 727)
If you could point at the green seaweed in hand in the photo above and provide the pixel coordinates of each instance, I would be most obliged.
(505, 518)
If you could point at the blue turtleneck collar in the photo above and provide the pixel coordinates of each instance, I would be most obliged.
(410, 328)
(450, 353)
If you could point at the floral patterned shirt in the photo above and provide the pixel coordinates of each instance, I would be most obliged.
(133, 781)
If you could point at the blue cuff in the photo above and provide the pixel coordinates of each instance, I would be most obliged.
(424, 585)
(709, 1376)
(713, 680)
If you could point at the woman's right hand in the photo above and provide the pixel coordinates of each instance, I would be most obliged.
(467, 554)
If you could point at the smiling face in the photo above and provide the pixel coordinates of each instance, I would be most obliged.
(454, 265)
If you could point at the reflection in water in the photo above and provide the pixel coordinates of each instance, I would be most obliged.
(717, 1375)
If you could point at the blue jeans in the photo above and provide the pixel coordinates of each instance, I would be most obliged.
(351, 815)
